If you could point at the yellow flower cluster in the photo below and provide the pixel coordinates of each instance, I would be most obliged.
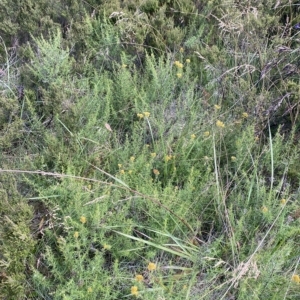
(206, 133)
(168, 157)
(146, 114)
(283, 201)
(193, 136)
(296, 278)
(121, 168)
(151, 266)
(217, 107)
(106, 247)
(83, 219)
(153, 154)
(134, 290)
(220, 124)
(178, 64)
(139, 278)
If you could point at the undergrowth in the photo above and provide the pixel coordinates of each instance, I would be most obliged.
(155, 158)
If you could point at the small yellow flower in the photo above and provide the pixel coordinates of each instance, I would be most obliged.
(147, 114)
(151, 266)
(130, 171)
(124, 66)
(193, 136)
(179, 75)
(141, 116)
(153, 154)
(264, 209)
(156, 172)
(217, 107)
(296, 278)
(168, 157)
(233, 158)
(132, 158)
(139, 277)
(245, 115)
(178, 64)
(76, 234)
(206, 133)
(188, 60)
(283, 201)
(220, 124)
(106, 247)
(134, 290)
(90, 290)
(122, 172)
(181, 50)
(120, 166)
(83, 219)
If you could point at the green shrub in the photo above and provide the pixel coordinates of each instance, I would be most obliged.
(16, 243)
(157, 142)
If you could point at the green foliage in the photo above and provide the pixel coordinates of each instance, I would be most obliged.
(49, 70)
(10, 122)
(16, 243)
(156, 147)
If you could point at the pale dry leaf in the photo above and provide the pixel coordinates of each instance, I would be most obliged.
(107, 126)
